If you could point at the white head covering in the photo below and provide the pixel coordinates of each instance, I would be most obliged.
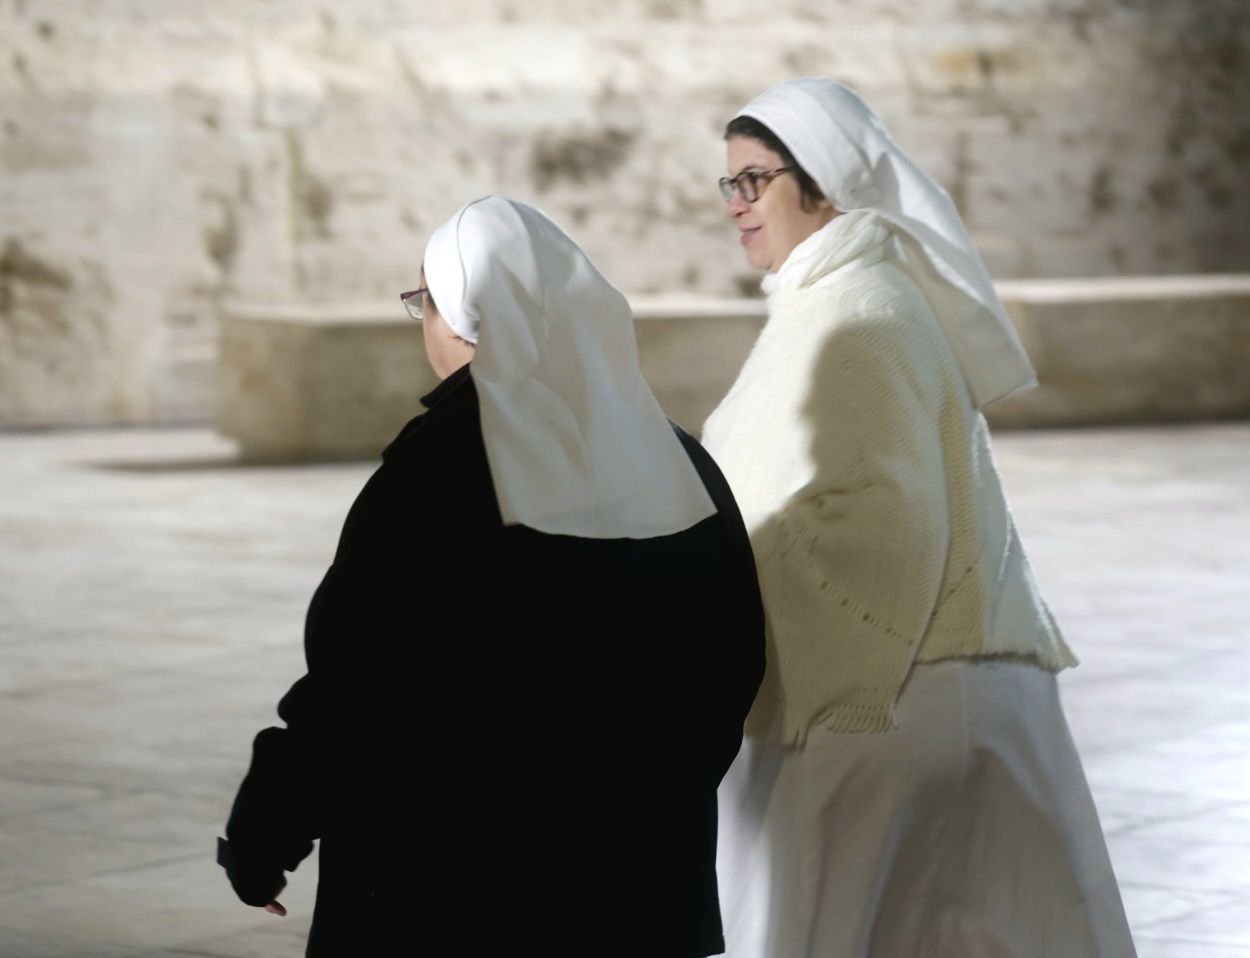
(837, 139)
(576, 441)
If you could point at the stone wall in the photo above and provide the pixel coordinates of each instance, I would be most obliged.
(159, 160)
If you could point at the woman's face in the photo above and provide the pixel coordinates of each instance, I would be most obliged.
(776, 222)
(446, 351)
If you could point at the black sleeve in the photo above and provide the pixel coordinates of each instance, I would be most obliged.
(739, 657)
(272, 823)
(278, 810)
(358, 646)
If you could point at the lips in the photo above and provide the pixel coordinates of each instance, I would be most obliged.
(749, 234)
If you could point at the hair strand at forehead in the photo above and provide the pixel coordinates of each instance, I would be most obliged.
(752, 129)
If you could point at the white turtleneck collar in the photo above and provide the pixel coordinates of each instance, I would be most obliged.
(848, 241)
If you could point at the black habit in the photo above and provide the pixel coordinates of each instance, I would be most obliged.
(505, 739)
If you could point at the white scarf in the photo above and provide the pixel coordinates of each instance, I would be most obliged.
(760, 434)
(844, 147)
(848, 242)
(576, 442)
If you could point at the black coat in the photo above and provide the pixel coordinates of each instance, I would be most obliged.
(505, 739)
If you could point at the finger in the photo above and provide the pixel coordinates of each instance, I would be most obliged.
(276, 908)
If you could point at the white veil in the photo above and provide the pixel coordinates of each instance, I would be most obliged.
(838, 140)
(576, 441)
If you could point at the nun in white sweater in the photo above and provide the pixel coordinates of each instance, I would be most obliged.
(909, 786)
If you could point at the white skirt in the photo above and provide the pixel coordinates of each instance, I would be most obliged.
(966, 832)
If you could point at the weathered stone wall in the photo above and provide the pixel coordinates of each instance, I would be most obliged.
(158, 160)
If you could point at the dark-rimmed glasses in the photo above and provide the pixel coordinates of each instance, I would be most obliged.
(413, 303)
(749, 184)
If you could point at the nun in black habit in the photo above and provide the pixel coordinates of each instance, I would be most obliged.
(530, 661)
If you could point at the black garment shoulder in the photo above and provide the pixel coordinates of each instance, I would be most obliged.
(454, 394)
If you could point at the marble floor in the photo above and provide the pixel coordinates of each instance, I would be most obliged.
(152, 593)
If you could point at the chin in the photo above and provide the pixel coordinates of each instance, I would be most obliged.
(757, 260)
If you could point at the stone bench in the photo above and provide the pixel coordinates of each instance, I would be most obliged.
(303, 383)
(1131, 350)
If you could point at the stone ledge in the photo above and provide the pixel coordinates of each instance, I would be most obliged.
(1128, 288)
(317, 382)
(311, 383)
(1131, 350)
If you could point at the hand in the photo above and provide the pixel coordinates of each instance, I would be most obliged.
(276, 907)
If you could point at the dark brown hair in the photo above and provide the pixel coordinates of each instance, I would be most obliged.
(753, 129)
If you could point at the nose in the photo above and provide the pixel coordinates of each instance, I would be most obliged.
(736, 205)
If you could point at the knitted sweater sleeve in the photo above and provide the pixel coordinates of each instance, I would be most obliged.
(851, 567)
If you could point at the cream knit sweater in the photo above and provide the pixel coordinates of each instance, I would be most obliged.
(865, 477)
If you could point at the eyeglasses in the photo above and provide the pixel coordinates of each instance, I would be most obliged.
(750, 184)
(413, 303)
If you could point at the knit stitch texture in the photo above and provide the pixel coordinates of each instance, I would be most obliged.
(865, 476)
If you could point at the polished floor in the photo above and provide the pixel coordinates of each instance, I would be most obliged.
(152, 593)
